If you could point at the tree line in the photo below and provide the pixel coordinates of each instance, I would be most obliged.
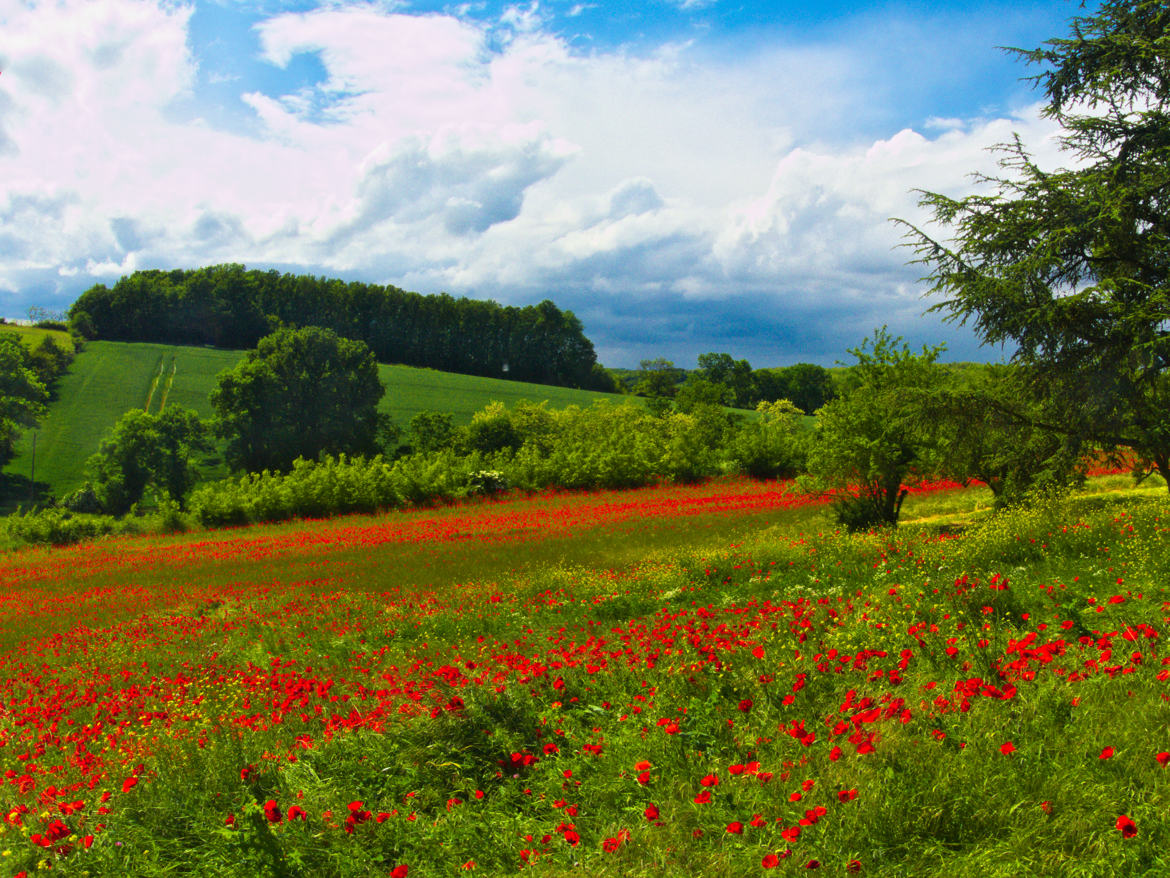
(231, 306)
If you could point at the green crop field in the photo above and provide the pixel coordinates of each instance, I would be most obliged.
(109, 378)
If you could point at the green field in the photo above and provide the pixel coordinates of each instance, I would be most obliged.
(32, 335)
(109, 378)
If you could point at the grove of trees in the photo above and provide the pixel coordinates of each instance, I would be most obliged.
(233, 307)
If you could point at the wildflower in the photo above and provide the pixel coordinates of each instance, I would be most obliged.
(651, 811)
(1007, 748)
(735, 828)
(1126, 826)
(1107, 753)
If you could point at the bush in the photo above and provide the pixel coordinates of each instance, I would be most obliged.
(60, 527)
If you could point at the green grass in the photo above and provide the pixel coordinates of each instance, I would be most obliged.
(32, 335)
(109, 378)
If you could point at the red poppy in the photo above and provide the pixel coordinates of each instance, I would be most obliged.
(651, 811)
(272, 812)
(1107, 753)
(1007, 748)
(770, 861)
(703, 798)
(1163, 758)
(735, 827)
(1126, 826)
(400, 871)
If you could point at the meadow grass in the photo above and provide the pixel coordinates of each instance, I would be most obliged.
(629, 694)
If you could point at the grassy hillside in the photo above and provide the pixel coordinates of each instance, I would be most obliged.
(32, 335)
(109, 378)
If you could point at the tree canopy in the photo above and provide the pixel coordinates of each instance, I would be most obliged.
(878, 437)
(147, 451)
(1072, 266)
(301, 392)
(22, 393)
(231, 306)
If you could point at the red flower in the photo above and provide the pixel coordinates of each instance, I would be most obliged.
(296, 812)
(1163, 758)
(272, 812)
(853, 867)
(735, 827)
(128, 784)
(710, 781)
(770, 861)
(400, 871)
(1107, 753)
(1126, 826)
(651, 811)
(644, 778)
(703, 798)
(1007, 748)
(612, 844)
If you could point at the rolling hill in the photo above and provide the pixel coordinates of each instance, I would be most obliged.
(110, 378)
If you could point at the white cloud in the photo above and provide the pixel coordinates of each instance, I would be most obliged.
(436, 155)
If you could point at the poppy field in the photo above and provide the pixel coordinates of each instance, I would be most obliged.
(674, 681)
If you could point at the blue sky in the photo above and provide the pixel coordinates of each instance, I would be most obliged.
(686, 176)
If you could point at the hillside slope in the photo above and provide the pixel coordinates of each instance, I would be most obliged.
(110, 378)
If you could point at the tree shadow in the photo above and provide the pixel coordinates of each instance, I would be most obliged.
(17, 492)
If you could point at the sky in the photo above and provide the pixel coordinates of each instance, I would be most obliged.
(685, 175)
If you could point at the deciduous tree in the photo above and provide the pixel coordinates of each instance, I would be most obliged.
(300, 393)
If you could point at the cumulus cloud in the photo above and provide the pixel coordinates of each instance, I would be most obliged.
(671, 190)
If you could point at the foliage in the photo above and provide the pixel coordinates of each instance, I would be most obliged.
(806, 385)
(60, 527)
(734, 375)
(773, 447)
(302, 392)
(1071, 266)
(431, 431)
(658, 378)
(22, 393)
(147, 452)
(990, 431)
(230, 306)
(877, 437)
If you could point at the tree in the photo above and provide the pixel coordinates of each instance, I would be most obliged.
(989, 432)
(300, 393)
(1072, 266)
(660, 378)
(735, 375)
(147, 452)
(22, 393)
(878, 437)
(773, 446)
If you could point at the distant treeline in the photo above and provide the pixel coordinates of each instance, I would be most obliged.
(230, 306)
